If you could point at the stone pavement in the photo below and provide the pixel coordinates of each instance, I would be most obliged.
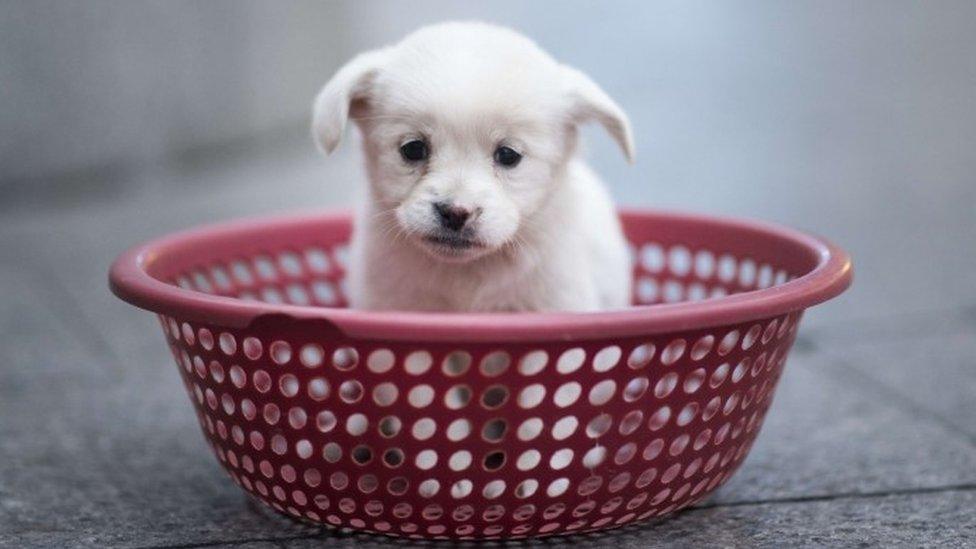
(871, 439)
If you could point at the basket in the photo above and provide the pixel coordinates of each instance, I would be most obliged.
(463, 426)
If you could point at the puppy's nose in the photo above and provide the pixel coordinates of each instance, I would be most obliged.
(451, 217)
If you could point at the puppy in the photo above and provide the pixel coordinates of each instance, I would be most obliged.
(476, 199)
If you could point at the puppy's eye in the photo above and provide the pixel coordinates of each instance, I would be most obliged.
(414, 151)
(507, 157)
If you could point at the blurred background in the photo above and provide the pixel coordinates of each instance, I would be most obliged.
(121, 121)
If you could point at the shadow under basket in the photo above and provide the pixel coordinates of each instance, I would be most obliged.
(462, 426)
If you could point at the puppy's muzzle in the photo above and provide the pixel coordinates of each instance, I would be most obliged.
(451, 216)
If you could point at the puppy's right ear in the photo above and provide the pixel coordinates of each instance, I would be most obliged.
(352, 82)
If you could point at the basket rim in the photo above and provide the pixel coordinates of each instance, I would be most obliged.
(833, 274)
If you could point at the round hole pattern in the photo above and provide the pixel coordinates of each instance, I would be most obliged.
(456, 441)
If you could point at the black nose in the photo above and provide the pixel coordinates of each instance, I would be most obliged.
(451, 217)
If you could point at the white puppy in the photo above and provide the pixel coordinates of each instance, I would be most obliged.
(477, 201)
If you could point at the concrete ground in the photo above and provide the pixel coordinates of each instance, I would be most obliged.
(871, 439)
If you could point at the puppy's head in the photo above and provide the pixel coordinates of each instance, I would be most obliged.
(467, 128)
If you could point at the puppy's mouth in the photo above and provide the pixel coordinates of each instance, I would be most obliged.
(453, 247)
(452, 242)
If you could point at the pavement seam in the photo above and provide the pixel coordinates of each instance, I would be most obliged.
(901, 400)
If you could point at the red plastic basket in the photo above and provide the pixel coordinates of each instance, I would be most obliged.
(480, 425)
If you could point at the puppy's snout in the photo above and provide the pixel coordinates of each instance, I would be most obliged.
(452, 216)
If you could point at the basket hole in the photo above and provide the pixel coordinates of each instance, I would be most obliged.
(368, 484)
(625, 453)
(528, 460)
(457, 397)
(565, 427)
(525, 489)
(641, 356)
(533, 362)
(228, 345)
(747, 273)
(318, 388)
(494, 460)
(492, 490)
(719, 375)
(325, 421)
(390, 426)
(238, 377)
(458, 430)
(289, 385)
(461, 489)
(280, 352)
(602, 392)
(740, 370)
(398, 486)
(652, 257)
(606, 358)
(599, 425)
(385, 394)
(751, 336)
(557, 487)
(694, 380)
(428, 488)
(687, 414)
(494, 430)
(666, 385)
(316, 260)
(426, 460)
(331, 452)
(351, 391)
(456, 363)
(631, 422)
(345, 358)
(393, 457)
(253, 348)
(648, 290)
(561, 459)
(421, 396)
(726, 268)
(679, 260)
(659, 419)
(418, 362)
(673, 352)
(494, 397)
(356, 424)
(531, 396)
(567, 394)
(570, 360)
(635, 389)
(653, 449)
(704, 264)
(495, 363)
(460, 460)
(362, 455)
(424, 428)
(530, 429)
(702, 347)
(311, 355)
(297, 417)
(380, 361)
(594, 457)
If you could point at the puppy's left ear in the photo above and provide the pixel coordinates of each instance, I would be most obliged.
(351, 83)
(587, 101)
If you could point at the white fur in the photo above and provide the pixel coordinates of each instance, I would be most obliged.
(547, 233)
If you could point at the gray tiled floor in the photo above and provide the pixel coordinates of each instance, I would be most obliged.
(870, 439)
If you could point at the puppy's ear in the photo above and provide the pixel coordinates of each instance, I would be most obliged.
(351, 83)
(588, 102)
